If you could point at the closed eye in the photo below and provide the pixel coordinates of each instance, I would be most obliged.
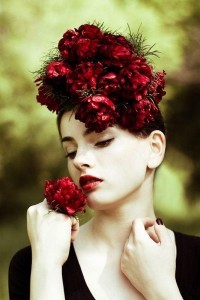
(71, 155)
(104, 143)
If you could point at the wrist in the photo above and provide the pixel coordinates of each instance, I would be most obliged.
(160, 293)
(48, 258)
(46, 262)
(46, 281)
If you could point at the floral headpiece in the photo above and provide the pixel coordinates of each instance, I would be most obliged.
(105, 77)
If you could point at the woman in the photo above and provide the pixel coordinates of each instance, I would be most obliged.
(106, 95)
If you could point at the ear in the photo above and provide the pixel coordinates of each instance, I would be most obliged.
(157, 143)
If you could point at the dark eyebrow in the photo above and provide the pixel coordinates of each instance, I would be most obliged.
(70, 139)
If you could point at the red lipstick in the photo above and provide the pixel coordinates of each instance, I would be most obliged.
(88, 182)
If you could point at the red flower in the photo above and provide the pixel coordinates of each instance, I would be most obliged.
(97, 71)
(135, 116)
(97, 112)
(64, 196)
(44, 99)
(66, 44)
(80, 44)
(109, 84)
(135, 79)
(112, 39)
(157, 86)
(90, 31)
(85, 77)
(145, 111)
(116, 50)
(86, 49)
(56, 69)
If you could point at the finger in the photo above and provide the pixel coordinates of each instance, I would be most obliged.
(75, 228)
(140, 226)
(153, 236)
(161, 231)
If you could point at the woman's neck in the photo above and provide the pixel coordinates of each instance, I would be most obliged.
(110, 228)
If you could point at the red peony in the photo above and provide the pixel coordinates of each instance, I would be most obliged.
(135, 116)
(86, 49)
(109, 84)
(135, 79)
(157, 86)
(80, 44)
(97, 112)
(56, 69)
(66, 44)
(44, 99)
(105, 75)
(64, 196)
(90, 31)
(116, 50)
(145, 111)
(85, 77)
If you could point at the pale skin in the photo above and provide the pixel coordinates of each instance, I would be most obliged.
(122, 251)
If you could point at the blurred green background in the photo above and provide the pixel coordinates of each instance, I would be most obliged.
(29, 146)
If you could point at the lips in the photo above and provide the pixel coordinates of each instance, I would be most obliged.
(88, 182)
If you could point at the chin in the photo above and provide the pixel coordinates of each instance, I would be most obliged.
(100, 203)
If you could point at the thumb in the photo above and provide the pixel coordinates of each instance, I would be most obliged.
(74, 228)
(160, 231)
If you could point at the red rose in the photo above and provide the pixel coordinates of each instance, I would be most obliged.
(64, 196)
(97, 112)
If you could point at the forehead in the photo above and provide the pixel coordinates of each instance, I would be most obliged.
(71, 127)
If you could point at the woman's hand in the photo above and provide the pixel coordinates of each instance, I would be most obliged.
(50, 233)
(149, 260)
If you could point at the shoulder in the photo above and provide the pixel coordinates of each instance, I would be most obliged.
(188, 247)
(185, 242)
(188, 265)
(19, 274)
(21, 258)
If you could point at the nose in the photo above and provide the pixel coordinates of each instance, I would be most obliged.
(83, 160)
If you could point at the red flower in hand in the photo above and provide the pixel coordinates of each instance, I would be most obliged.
(64, 196)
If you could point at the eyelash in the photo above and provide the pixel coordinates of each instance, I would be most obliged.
(101, 144)
(71, 155)
(104, 143)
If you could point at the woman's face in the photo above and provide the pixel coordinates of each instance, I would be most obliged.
(115, 156)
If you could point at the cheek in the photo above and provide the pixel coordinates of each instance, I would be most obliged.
(72, 172)
(126, 163)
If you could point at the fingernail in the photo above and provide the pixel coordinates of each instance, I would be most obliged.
(159, 221)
